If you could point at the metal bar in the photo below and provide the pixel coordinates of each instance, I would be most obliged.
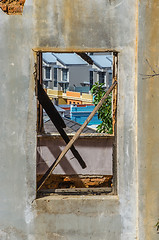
(68, 146)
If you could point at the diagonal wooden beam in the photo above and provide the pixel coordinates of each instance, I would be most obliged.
(57, 120)
(68, 146)
(49, 107)
(85, 57)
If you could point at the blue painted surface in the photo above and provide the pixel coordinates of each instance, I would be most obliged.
(80, 114)
(82, 89)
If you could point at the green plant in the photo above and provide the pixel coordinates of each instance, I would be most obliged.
(157, 225)
(105, 111)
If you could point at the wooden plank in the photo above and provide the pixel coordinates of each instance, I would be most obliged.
(114, 95)
(57, 120)
(39, 80)
(68, 146)
(115, 77)
(49, 107)
(85, 57)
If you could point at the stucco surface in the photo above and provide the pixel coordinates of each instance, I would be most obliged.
(148, 115)
(73, 25)
(96, 152)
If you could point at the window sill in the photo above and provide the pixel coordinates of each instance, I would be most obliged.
(98, 193)
(82, 135)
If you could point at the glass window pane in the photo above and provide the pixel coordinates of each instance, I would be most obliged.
(64, 74)
(48, 72)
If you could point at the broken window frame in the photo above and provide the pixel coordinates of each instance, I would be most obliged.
(114, 92)
(114, 111)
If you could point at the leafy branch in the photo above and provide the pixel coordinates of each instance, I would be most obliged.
(157, 225)
(105, 111)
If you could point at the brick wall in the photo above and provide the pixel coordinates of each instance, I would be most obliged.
(76, 181)
(12, 7)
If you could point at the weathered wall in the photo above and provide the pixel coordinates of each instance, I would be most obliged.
(12, 7)
(96, 152)
(148, 119)
(72, 25)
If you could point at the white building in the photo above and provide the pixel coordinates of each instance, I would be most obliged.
(68, 71)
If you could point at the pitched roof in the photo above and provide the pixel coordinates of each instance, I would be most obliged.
(69, 59)
(71, 127)
(48, 57)
(103, 61)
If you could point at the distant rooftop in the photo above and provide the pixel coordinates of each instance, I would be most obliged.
(69, 59)
(102, 61)
(71, 126)
(48, 57)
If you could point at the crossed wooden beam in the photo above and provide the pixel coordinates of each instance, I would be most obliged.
(57, 120)
(59, 124)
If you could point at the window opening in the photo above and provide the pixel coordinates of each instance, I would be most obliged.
(75, 74)
(91, 80)
(64, 74)
(48, 72)
(101, 77)
(55, 77)
(110, 79)
(80, 174)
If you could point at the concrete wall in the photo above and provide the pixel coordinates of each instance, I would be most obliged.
(86, 25)
(148, 116)
(96, 152)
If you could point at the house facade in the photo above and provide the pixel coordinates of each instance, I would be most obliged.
(69, 72)
(59, 97)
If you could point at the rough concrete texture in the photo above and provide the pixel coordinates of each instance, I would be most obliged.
(86, 25)
(79, 217)
(12, 7)
(148, 126)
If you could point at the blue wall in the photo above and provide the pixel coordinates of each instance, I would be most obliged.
(80, 114)
(82, 89)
